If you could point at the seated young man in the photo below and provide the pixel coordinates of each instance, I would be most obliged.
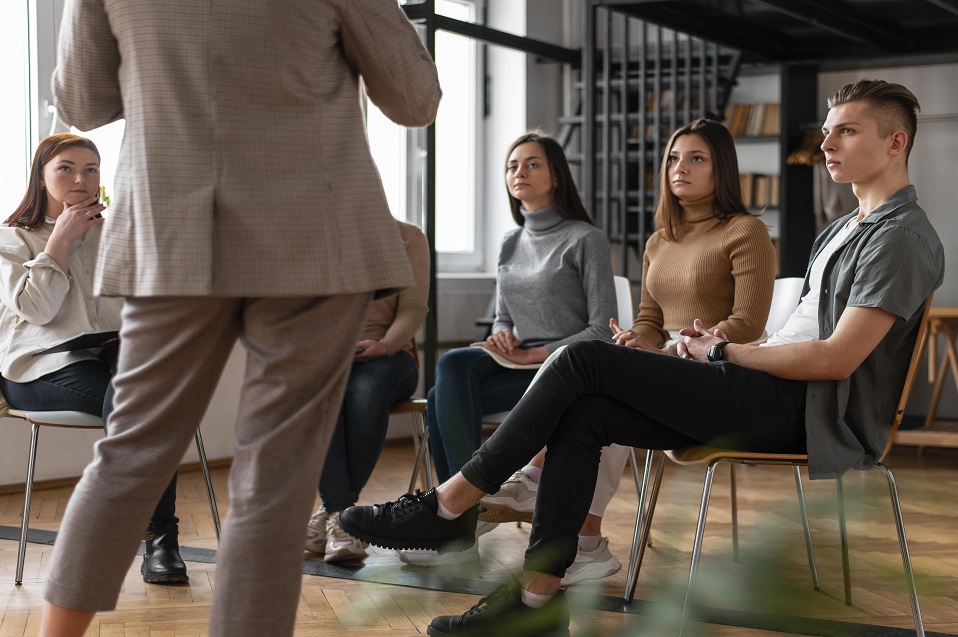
(829, 387)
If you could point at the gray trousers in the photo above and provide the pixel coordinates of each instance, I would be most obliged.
(173, 352)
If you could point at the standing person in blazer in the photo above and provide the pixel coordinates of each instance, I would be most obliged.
(247, 207)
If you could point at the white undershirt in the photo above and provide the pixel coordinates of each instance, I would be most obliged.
(802, 325)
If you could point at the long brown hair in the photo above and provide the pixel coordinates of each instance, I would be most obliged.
(32, 210)
(567, 202)
(669, 214)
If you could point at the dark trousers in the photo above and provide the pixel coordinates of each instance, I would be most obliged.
(596, 394)
(360, 432)
(85, 387)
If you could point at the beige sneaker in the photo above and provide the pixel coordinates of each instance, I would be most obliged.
(316, 532)
(515, 501)
(340, 546)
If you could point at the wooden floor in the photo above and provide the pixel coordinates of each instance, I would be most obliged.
(767, 592)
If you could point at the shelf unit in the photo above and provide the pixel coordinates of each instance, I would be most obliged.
(639, 81)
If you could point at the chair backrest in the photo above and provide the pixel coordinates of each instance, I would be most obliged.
(913, 364)
(785, 297)
(625, 315)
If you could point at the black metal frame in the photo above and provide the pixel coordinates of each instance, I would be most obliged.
(628, 64)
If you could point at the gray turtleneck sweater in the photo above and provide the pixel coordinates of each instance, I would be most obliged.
(555, 282)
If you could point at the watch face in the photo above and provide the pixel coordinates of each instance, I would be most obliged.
(716, 352)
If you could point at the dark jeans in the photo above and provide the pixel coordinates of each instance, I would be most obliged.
(86, 387)
(469, 383)
(360, 431)
(596, 394)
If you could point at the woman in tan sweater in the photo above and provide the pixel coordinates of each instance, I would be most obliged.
(708, 259)
(385, 370)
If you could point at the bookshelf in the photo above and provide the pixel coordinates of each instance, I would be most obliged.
(753, 116)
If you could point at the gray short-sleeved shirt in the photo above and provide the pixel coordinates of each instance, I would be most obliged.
(893, 260)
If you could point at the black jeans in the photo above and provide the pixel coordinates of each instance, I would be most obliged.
(596, 394)
(86, 387)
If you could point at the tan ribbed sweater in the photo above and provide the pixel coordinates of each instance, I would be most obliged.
(394, 320)
(720, 272)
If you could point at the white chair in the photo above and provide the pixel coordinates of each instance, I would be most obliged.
(785, 297)
(79, 420)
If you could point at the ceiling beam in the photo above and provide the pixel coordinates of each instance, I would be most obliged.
(951, 6)
(730, 32)
(834, 20)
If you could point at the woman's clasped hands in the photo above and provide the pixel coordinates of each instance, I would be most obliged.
(628, 338)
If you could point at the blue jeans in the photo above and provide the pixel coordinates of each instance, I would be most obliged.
(360, 432)
(86, 387)
(469, 383)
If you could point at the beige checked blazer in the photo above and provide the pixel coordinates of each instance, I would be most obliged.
(244, 169)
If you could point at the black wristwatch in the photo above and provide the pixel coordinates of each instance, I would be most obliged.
(716, 352)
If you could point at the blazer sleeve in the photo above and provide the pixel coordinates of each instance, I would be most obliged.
(399, 75)
(85, 81)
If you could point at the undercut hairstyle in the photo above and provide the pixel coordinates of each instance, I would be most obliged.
(895, 107)
(32, 211)
(567, 201)
(669, 214)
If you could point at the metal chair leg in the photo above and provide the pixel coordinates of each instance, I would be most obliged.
(639, 481)
(843, 533)
(201, 450)
(423, 457)
(803, 510)
(643, 524)
(905, 555)
(31, 463)
(641, 485)
(733, 495)
(697, 545)
(635, 470)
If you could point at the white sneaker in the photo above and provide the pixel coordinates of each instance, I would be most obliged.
(439, 558)
(316, 532)
(517, 494)
(594, 564)
(340, 546)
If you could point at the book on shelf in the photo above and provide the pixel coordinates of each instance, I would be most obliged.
(83, 340)
(753, 120)
(759, 191)
(772, 123)
(746, 180)
(756, 117)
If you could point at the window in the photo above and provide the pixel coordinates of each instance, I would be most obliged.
(400, 154)
(16, 150)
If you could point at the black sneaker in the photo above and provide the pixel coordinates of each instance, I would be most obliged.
(411, 522)
(503, 613)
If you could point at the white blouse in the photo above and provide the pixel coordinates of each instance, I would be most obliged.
(41, 306)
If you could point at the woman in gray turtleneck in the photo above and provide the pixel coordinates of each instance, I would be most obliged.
(554, 287)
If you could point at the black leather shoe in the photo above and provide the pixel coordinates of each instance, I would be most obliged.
(411, 522)
(503, 613)
(162, 563)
